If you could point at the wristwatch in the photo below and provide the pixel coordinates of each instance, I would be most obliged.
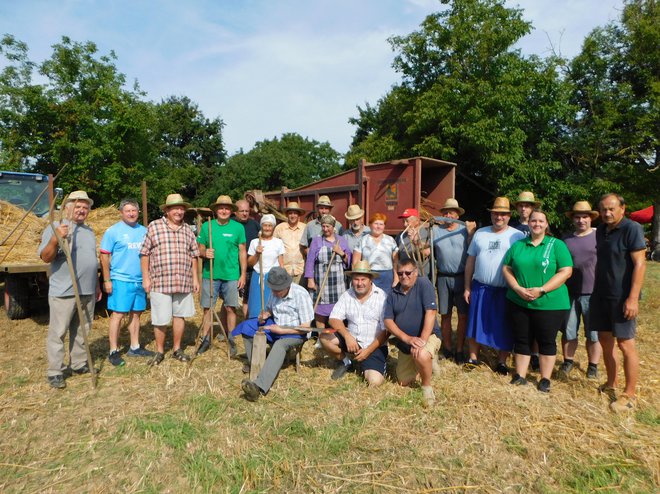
(542, 290)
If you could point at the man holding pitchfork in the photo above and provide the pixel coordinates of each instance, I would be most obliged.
(61, 295)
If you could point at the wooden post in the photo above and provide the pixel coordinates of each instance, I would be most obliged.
(145, 216)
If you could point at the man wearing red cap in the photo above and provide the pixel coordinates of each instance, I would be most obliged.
(413, 241)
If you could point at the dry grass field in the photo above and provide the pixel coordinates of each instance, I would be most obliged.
(186, 428)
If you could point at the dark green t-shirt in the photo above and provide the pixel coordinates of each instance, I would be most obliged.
(533, 266)
(226, 239)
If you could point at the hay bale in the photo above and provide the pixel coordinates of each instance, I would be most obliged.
(101, 219)
(25, 239)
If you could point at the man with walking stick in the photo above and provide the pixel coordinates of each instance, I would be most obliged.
(61, 294)
(225, 236)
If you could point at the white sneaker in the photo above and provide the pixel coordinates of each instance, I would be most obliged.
(428, 396)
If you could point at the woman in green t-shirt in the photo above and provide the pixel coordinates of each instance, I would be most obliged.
(536, 269)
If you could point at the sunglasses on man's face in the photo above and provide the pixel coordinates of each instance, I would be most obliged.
(407, 273)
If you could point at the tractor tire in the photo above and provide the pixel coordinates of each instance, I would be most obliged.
(17, 299)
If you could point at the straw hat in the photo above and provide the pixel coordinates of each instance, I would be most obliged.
(324, 201)
(79, 195)
(582, 207)
(363, 268)
(501, 205)
(278, 279)
(293, 206)
(407, 213)
(174, 200)
(354, 212)
(527, 196)
(453, 204)
(222, 201)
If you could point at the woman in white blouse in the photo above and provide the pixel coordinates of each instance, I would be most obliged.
(381, 251)
(271, 251)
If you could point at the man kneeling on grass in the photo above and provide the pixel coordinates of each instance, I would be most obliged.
(289, 307)
(410, 316)
(365, 338)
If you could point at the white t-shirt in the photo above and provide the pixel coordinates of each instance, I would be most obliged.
(273, 248)
(489, 249)
(378, 254)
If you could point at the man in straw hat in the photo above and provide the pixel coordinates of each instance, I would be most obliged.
(122, 279)
(288, 317)
(169, 274)
(525, 204)
(450, 243)
(251, 227)
(582, 246)
(313, 228)
(614, 304)
(485, 287)
(410, 316)
(61, 299)
(356, 227)
(290, 233)
(365, 338)
(229, 268)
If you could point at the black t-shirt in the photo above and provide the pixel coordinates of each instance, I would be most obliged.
(614, 264)
(252, 228)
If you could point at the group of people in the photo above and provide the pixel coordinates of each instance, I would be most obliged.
(514, 287)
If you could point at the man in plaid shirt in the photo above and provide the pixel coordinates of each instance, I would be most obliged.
(169, 274)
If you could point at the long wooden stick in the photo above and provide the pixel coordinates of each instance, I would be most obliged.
(76, 293)
(261, 275)
(211, 308)
(325, 278)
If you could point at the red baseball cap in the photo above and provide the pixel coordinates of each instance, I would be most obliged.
(409, 212)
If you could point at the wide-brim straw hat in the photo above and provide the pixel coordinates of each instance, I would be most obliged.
(582, 207)
(501, 205)
(324, 201)
(363, 268)
(222, 201)
(354, 212)
(78, 195)
(174, 200)
(452, 204)
(293, 206)
(278, 279)
(527, 196)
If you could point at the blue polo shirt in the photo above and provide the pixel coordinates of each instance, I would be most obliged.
(407, 310)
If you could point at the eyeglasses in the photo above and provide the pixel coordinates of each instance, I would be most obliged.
(407, 273)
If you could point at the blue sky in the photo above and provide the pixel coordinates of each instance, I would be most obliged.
(266, 67)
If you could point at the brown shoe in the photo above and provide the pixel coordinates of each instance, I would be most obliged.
(609, 391)
(625, 403)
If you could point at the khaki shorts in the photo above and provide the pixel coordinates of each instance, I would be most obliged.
(406, 370)
(164, 306)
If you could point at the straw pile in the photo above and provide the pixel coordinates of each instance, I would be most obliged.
(25, 239)
(21, 246)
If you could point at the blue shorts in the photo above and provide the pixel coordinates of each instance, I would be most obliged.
(606, 315)
(127, 296)
(377, 360)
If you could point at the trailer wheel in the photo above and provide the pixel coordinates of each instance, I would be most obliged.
(17, 300)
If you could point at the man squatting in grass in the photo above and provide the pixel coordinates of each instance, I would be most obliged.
(582, 246)
(365, 338)
(289, 305)
(168, 259)
(410, 316)
(122, 279)
(614, 305)
(229, 268)
(61, 299)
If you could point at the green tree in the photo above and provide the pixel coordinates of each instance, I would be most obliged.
(615, 135)
(290, 161)
(109, 137)
(468, 96)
